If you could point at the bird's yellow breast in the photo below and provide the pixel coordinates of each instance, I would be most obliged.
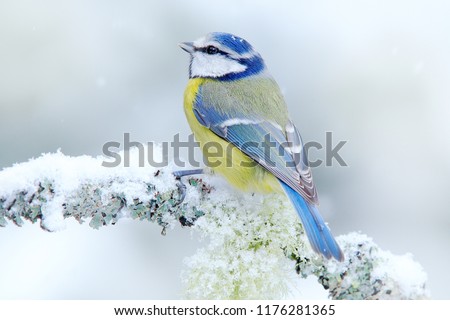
(223, 157)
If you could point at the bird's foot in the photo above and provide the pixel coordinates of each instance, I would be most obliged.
(180, 185)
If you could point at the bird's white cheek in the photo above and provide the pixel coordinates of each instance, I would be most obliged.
(205, 65)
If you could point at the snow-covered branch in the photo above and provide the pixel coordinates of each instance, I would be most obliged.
(56, 187)
(256, 245)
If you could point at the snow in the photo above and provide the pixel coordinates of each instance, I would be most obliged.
(405, 272)
(67, 174)
(250, 239)
(376, 273)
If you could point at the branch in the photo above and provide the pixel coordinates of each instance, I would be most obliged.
(56, 187)
(256, 243)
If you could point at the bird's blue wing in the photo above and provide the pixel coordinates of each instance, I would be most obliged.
(278, 149)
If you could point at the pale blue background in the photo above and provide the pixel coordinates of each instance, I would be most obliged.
(76, 74)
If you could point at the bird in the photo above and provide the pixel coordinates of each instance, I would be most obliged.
(233, 103)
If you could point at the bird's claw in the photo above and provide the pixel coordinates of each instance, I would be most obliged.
(180, 185)
(181, 191)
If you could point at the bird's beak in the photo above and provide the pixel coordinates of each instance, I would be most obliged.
(187, 46)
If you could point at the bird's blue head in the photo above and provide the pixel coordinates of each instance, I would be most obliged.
(222, 56)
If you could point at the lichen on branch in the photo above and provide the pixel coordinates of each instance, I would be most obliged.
(255, 247)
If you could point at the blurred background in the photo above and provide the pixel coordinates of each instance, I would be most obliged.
(76, 74)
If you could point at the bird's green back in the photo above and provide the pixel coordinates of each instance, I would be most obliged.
(248, 97)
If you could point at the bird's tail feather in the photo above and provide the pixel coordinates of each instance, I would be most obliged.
(319, 235)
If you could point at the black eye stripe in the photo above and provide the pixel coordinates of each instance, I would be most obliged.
(211, 50)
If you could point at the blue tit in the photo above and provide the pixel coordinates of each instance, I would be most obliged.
(233, 103)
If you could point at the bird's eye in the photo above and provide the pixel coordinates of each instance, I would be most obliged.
(211, 50)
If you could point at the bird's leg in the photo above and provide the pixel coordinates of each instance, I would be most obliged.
(181, 186)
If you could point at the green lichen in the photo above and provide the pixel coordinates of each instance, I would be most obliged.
(101, 206)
